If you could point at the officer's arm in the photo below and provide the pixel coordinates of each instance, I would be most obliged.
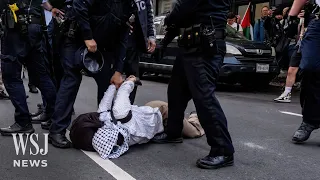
(181, 9)
(121, 51)
(151, 27)
(81, 10)
(296, 7)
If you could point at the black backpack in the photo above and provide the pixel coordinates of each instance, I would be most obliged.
(83, 129)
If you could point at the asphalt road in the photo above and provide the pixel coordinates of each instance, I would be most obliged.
(261, 136)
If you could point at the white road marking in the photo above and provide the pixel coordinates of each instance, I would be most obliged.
(107, 165)
(253, 145)
(290, 113)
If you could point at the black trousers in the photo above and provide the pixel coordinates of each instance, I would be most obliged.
(131, 67)
(29, 51)
(310, 97)
(194, 77)
(70, 84)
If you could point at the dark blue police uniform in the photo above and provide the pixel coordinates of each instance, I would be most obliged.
(194, 76)
(111, 45)
(310, 83)
(25, 46)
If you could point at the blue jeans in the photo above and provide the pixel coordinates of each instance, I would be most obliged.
(28, 50)
(310, 65)
(194, 77)
(310, 47)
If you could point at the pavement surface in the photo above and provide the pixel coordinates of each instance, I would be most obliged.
(261, 132)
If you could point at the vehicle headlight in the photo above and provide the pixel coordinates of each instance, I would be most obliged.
(233, 50)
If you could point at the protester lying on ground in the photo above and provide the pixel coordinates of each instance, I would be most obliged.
(118, 124)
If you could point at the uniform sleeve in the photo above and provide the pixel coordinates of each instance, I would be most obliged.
(181, 9)
(81, 11)
(151, 27)
(121, 51)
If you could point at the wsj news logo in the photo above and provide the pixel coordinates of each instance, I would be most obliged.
(20, 143)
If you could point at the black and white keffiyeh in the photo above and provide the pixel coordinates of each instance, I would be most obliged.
(105, 141)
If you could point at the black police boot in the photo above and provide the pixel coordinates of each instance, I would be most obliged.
(41, 109)
(4, 96)
(46, 125)
(164, 138)
(215, 162)
(16, 128)
(40, 118)
(33, 89)
(59, 141)
(303, 133)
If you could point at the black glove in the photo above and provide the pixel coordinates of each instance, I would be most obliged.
(292, 29)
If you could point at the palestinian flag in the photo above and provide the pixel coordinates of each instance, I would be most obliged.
(246, 25)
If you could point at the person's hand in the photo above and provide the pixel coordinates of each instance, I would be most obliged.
(91, 45)
(132, 78)
(57, 13)
(116, 79)
(151, 45)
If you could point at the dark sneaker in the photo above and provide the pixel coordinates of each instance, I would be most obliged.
(164, 138)
(16, 128)
(215, 162)
(303, 133)
(4, 96)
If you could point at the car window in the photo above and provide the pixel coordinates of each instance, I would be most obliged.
(233, 33)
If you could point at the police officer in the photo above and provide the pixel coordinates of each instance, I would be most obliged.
(202, 32)
(141, 40)
(23, 45)
(97, 25)
(310, 66)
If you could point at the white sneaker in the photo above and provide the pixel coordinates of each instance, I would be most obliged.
(285, 98)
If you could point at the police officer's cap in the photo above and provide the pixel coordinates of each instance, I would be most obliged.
(91, 63)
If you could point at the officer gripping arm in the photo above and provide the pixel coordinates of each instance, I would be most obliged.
(81, 10)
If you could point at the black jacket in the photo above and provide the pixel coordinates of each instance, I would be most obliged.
(96, 22)
(188, 12)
